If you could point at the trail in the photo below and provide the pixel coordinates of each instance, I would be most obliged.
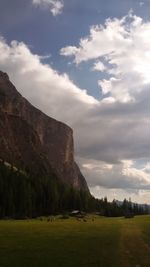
(135, 252)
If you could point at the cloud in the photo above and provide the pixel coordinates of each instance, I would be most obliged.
(141, 4)
(117, 181)
(139, 196)
(124, 45)
(71, 50)
(43, 86)
(116, 176)
(99, 66)
(121, 122)
(55, 6)
(111, 135)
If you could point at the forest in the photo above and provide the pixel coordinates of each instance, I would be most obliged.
(24, 195)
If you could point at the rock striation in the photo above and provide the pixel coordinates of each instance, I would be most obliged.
(31, 140)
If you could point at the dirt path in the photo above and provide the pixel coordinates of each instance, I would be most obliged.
(134, 251)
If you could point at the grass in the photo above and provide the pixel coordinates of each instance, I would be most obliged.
(104, 242)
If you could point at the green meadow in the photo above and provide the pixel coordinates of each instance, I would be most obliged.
(96, 242)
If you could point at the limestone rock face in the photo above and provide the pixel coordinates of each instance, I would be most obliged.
(32, 140)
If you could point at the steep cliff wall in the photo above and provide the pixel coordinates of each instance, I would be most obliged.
(33, 140)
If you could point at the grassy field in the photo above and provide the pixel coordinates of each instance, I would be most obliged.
(98, 242)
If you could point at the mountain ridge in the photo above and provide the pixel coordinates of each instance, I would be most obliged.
(33, 140)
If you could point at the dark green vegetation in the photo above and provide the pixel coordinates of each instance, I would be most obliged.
(98, 242)
(23, 195)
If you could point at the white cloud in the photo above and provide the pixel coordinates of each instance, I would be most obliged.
(101, 41)
(71, 50)
(117, 181)
(115, 176)
(124, 45)
(99, 66)
(55, 6)
(52, 92)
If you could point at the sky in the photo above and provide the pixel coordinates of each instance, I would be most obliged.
(87, 63)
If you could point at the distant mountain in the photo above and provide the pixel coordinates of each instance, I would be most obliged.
(32, 141)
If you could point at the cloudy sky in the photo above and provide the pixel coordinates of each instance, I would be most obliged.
(87, 63)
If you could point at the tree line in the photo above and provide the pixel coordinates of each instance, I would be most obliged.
(117, 209)
(24, 195)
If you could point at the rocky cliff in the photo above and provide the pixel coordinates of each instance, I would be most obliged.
(31, 140)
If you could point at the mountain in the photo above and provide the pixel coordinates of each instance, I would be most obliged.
(32, 141)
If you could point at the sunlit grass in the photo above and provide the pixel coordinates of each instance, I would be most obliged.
(98, 242)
